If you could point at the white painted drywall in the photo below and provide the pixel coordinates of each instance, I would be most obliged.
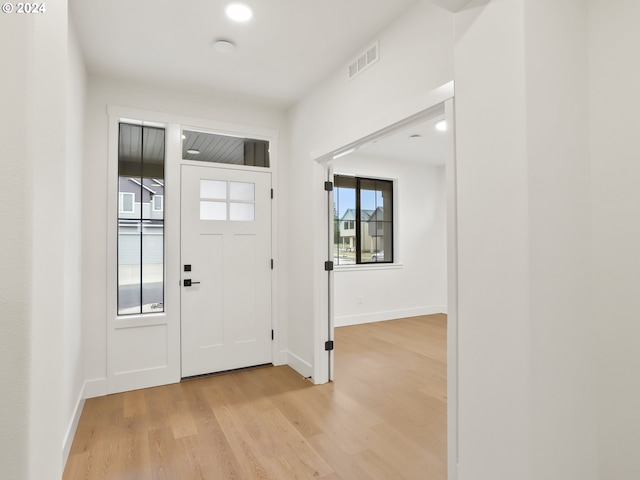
(15, 251)
(40, 345)
(419, 285)
(73, 362)
(47, 84)
(493, 271)
(562, 339)
(416, 57)
(102, 92)
(33, 323)
(614, 104)
(526, 384)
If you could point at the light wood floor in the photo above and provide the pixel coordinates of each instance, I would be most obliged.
(384, 418)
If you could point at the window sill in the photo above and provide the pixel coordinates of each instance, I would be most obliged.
(368, 267)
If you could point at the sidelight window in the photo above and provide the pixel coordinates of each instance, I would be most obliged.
(141, 158)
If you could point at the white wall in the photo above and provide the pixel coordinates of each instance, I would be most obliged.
(615, 103)
(34, 108)
(73, 370)
(416, 57)
(15, 251)
(526, 384)
(101, 93)
(46, 84)
(419, 285)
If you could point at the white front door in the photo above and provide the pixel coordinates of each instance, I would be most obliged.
(226, 269)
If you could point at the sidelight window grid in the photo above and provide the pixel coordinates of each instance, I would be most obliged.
(141, 159)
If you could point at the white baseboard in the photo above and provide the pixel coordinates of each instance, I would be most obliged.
(73, 425)
(347, 320)
(95, 388)
(303, 368)
(281, 358)
(90, 389)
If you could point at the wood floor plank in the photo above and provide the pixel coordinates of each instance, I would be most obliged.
(383, 417)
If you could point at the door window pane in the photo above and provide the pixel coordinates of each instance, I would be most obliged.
(242, 191)
(242, 212)
(129, 272)
(377, 234)
(213, 189)
(213, 210)
(152, 266)
(344, 220)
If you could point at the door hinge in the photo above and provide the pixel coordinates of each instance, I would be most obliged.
(272, 193)
(272, 264)
(272, 335)
(328, 266)
(328, 345)
(328, 186)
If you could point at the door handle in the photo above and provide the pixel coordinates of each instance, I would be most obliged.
(187, 282)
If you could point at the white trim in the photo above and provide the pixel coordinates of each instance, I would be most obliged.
(282, 358)
(73, 425)
(170, 372)
(184, 121)
(373, 317)
(367, 267)
(95, 388)
(453, 448)
(303, 368)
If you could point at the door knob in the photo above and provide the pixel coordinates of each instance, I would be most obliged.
(187, 282)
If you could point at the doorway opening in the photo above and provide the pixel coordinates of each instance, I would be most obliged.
(421, 279)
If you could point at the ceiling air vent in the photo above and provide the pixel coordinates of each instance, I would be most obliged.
(370, 56)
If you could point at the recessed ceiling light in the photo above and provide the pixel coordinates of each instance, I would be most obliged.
(441, 126)
(239, 12)
(193, 151)
(224, 46)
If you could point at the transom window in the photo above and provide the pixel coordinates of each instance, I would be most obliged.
(363, 220)
(211, 147)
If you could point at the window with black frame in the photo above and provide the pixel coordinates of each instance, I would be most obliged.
(141, 158)
(363, 220)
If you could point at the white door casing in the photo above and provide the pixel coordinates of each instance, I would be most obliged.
(226, 241)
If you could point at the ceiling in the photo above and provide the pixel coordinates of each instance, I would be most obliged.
(419, 143)
(287, 48)
(281, 53)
